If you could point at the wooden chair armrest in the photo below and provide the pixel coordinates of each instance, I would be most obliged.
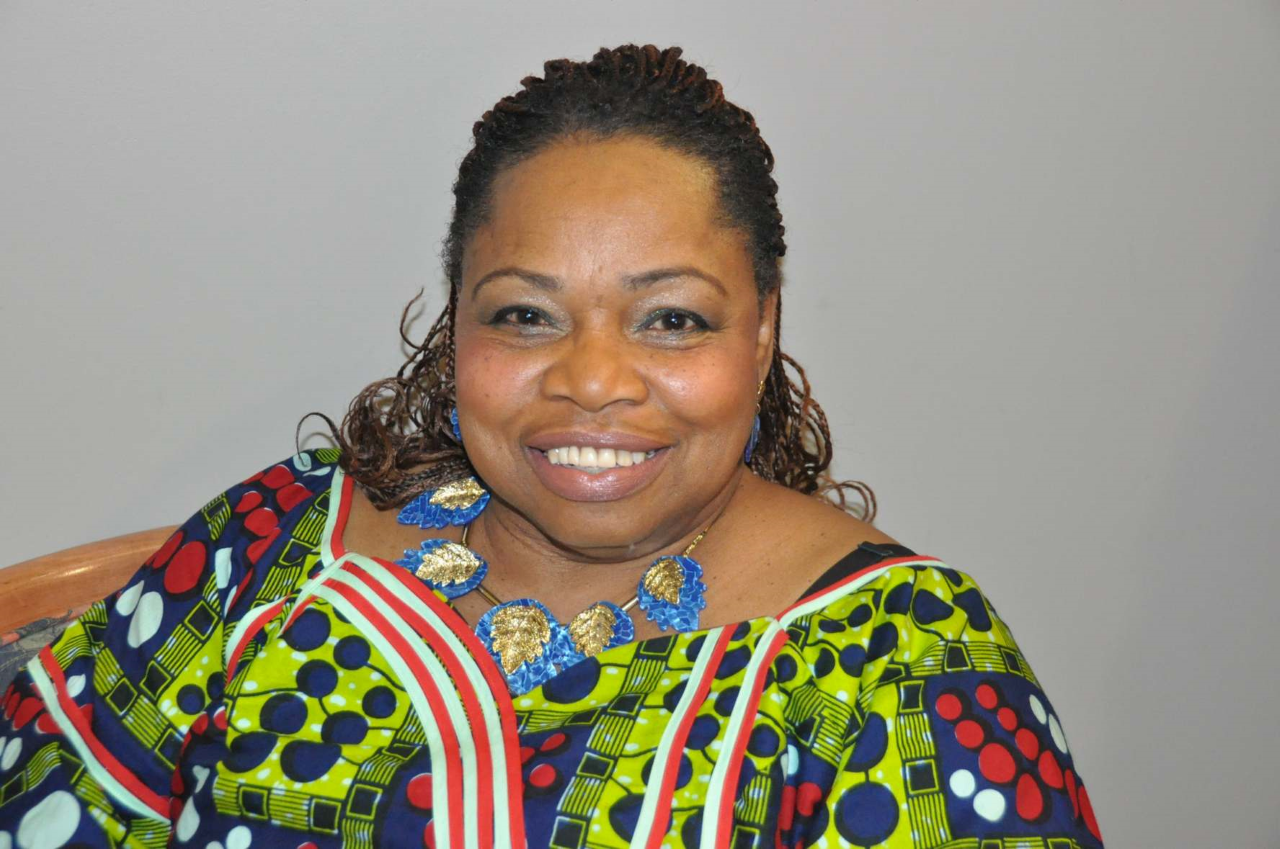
(54, 585)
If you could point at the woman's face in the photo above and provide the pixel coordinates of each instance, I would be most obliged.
(605, 307)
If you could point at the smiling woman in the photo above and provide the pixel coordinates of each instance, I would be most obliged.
(601, 424)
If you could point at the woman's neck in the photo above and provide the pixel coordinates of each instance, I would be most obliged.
(524, 561)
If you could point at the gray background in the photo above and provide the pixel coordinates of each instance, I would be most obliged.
(1032, 272)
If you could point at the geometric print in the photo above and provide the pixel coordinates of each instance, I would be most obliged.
(257, 684)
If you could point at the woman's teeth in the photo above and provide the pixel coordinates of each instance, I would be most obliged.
(588, 459)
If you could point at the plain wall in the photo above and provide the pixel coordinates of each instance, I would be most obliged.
(1032, 272)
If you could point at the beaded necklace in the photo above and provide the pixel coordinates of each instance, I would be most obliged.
(523, 637)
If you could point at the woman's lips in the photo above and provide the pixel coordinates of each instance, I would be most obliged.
(574, 484)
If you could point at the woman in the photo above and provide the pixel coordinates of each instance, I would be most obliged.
(433, 634)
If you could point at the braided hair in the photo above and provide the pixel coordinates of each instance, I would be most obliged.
(396, 438)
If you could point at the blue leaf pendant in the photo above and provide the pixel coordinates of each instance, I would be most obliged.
(671, 593)
(524, 639)
(447, 566)
(456, 503)
(531, 647)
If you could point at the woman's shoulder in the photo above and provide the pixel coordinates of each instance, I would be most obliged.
(236, 547)
(801, 543)
(894, 615)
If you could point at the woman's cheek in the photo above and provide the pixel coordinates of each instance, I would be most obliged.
(706, 390)
(488, 373)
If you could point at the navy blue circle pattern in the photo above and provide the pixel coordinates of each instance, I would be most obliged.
(867, 814)
(351, 652)
(317, 678)
(308, 632)
(379, 702)
(284, 713)
(346, 728)
(872, 741)
(303, 760)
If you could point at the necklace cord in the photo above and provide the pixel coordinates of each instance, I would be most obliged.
(488, 596)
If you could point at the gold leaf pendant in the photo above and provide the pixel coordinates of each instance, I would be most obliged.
(448, 564)
(592, 629)
(520, 634)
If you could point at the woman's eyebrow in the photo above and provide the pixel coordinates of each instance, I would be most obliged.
(648, 278)
(549, 283)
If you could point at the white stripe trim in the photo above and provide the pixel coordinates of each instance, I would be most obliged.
(331, 521)
(733, 730)
(488, 707)
(452, 703)
(652, 793)
(309, 588)
(825, 598)
(108, 782)
(250, 620)
(440, 777)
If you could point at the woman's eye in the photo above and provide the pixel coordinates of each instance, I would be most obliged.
(521, 316)
(677, 321)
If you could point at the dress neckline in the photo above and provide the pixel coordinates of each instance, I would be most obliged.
(866, 558)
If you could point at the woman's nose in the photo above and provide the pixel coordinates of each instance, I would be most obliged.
(595, 369)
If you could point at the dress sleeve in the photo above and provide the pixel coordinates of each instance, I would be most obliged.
(92, 727)
(950, 739)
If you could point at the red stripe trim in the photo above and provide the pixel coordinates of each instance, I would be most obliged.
(672, 768)
(336, 548)
(422, 677)
(891, 561)
(484, 760)
(117, 770)
(740, 747)
(296, 612)
(495, 679)
(497, 684)
(260, 621)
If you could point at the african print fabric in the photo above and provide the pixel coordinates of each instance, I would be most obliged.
(255, 684)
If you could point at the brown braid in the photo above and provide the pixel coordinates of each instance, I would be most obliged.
(396, 439)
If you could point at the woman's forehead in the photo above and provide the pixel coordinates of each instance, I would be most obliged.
(604, 206)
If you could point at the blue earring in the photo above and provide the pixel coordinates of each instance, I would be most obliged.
(453, 420)
(752, 442)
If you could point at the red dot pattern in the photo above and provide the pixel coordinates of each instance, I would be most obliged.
(419, 791)
(26, 711)
(948, 707)
(291, 496)
(165, 551)
(970, 734)
(787, 809)
(184, 570)
(1070, 779)
(278, 476)
(542, 776)
(251, 500)
(1050, 772)
(1028, 743)
(1086, 810)
(996, 763)
(261, 521)
(1034, 774)
(1029, 798)
(808, 798)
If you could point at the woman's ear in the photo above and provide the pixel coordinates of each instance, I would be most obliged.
(767, 334)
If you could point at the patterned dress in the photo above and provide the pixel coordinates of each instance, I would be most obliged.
(257, 685)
